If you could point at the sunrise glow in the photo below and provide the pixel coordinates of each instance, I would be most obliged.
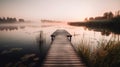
(65, 10)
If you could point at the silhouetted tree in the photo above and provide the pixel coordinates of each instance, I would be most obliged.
(4, 20)
(0, 19)
(99, 18)
(110, 15)
(11, 20)
(91, 18)
(118, 13)
(8, 20)
(105, 15)
(86, 19)
(21, 20)
(14, 19)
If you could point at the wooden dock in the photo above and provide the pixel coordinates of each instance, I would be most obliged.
(61, 52)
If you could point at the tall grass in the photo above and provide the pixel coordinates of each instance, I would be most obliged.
(106, 54)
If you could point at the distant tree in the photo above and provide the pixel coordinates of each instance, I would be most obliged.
(0, 19)
(110, 15)
(105, 15)
(86, 19)
(118, 13)
(117, 16)
(14, 19)
(8, 20)
(91, 18)
(21, 20)
(99, 18)
(4, 19)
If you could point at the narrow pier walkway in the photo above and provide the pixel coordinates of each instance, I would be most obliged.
(61, 53)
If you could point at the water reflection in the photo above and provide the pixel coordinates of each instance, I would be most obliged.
(105, 31)
(43, 46)
(11, 28)
(27, 45)
(19, 49)
(22, 27)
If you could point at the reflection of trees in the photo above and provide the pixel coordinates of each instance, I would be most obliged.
(22, 27)
(10, 28)
(21, 20)
(105, 32)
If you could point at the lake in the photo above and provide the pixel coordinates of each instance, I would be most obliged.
(20, 46)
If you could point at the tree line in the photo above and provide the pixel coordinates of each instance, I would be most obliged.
(10, 20)
(106, 16)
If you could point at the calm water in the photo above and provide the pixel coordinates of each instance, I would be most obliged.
(19, 43)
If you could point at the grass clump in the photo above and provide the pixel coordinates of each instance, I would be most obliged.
(106, 54)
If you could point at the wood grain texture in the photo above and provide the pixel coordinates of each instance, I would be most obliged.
(61, 53)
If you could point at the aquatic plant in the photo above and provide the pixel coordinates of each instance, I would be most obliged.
(106, 54)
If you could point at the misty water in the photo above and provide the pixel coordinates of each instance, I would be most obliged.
(19, 42)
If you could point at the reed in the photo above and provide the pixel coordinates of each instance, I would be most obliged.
(106, 54)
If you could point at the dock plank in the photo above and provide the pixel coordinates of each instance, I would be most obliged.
(61, 53)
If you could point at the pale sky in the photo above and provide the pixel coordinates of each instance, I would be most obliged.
(64, 10)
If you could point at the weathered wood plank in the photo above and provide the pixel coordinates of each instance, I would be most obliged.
(64, 65)
(64, 59)
(61, 53)
(61, 32)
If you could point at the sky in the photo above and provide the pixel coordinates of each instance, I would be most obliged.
(63, 10)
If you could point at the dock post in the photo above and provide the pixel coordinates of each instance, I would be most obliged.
(69, 37)
(52, 37)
